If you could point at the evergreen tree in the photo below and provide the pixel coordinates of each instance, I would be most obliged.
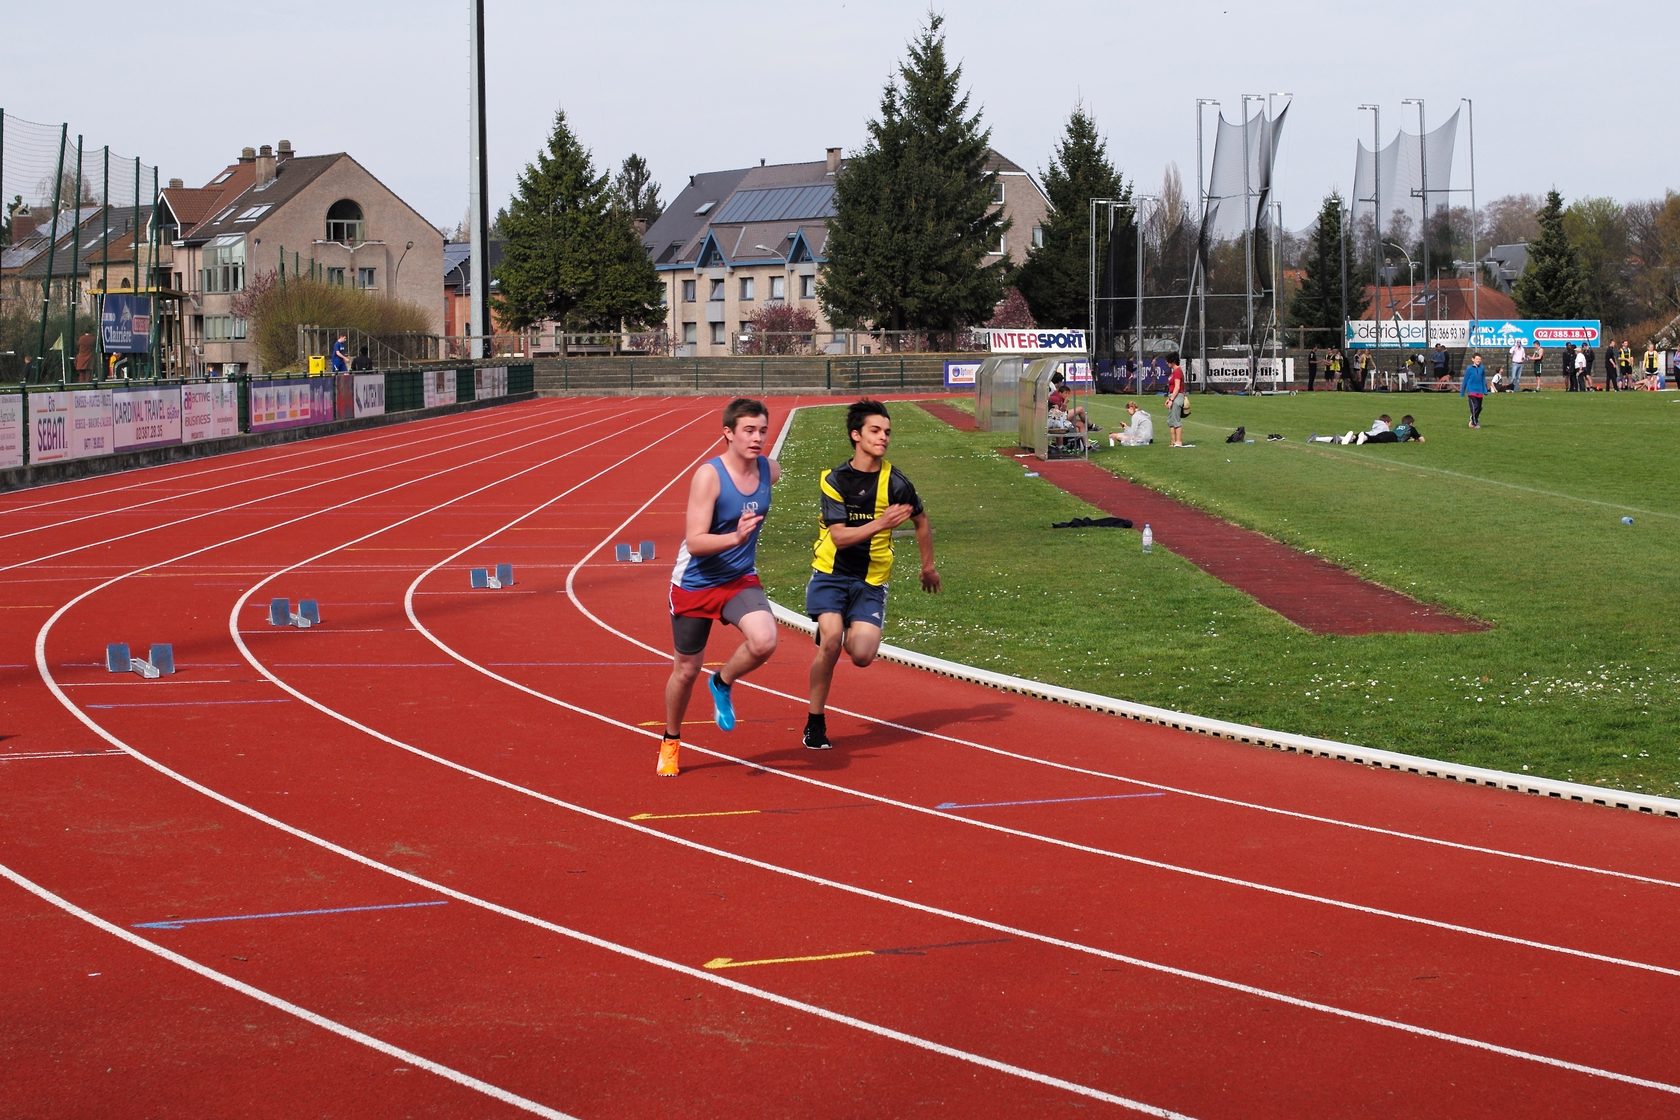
(1318, 301)
(635, 191)
(570, 255)
(1554, 284)
(1056, 279)
(913, 220)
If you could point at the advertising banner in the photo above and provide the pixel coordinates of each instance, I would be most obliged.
(1234, 371)
(1034, 341)
(1459, 334)
(959, 373)
(370, 394)
(209, 410)
(291, 404)
(145, 417)
(491, 381)
(125, 324)
(11, 430)
(90, 423)
(439, 387)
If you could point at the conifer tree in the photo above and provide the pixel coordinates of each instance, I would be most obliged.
(569, 253)
(913, 226)
(1056, 279)
(1554, 284)
(1318, 301)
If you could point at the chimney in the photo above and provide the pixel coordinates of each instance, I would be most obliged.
(833, 160)
(177, 184)
(247, 155)
(285, 149)
(265, 166)
(639, 225)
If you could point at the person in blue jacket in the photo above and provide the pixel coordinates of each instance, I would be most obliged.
(1474, 388)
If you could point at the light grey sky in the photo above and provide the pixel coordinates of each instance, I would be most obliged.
(1569, 97)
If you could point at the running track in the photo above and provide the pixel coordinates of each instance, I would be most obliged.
(415, 862)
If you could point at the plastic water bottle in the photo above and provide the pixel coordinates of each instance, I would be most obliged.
(1148, 538)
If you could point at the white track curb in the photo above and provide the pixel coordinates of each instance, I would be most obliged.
(1258, 736)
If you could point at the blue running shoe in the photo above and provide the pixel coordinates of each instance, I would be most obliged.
(723, 708)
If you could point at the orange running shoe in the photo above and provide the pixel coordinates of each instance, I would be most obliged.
(668, 757)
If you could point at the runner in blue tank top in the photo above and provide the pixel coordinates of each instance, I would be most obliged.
(716, 575)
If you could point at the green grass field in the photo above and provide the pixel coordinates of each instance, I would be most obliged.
(1518, 524)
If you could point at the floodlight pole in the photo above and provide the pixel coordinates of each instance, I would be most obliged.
(1475, 255)
(1137, 331)
(1201, 240)
(1376, 215)
(1248, 228)
(1423, 196)
(478, 284)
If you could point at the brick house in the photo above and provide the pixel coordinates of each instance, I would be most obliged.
(733, 241)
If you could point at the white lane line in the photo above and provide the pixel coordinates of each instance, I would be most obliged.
(408, 1057)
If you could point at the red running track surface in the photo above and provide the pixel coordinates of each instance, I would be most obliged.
(415, 861)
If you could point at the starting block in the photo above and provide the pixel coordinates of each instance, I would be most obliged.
(482, 577)
(160, 661)
(280, 613)
(623, 553)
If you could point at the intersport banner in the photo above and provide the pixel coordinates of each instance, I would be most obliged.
(144, 417)
(11, 430)
(209, 410)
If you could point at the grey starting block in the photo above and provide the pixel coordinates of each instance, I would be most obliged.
(160, 661)
(483, 577)
(280, 613)
(623, 553)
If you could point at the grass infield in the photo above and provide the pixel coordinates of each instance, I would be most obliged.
(1519, 524)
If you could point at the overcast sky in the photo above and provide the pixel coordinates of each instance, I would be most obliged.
(1575, 97)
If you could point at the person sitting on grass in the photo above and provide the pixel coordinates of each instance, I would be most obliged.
(1139, 430)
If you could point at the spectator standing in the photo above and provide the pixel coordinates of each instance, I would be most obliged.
(1333, 369)
(340, 354)
(1175, 404)
(1624, 365)
(1582, 370)
(1516, 367)
(1653, 364)
(1474, 387)
(1536, 362)
(84, 357)
(1312, 368)
(362, 361)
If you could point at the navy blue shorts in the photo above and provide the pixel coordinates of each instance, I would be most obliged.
(854, 600)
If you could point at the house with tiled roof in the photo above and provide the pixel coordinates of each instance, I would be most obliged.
(734, 241)
(275, 211)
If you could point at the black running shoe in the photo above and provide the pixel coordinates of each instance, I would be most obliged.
(816, 736)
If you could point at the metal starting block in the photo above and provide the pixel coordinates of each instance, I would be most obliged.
(280, 613)
(623, 553)
(160, 661)
(482, 577)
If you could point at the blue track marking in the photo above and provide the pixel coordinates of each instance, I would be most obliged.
(178, 923)
(1046, 801)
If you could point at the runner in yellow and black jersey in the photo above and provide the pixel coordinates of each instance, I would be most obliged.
(863, 500)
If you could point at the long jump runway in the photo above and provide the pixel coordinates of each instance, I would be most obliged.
(415, 862)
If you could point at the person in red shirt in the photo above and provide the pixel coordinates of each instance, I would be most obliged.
(1175, 404)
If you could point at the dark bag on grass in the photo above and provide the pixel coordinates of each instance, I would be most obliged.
(1237, 436)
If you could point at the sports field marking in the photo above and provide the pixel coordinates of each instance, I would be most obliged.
(37, 756)
(187, 703)
(907, 951)
(1045, 801)
(689, 816)
(297, 1011)
(182, 923)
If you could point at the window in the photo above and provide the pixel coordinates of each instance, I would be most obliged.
(344, 222)
(717, 290)
(997, 191)
(690, 333)
(688, 291)
(778, 287)
(717, 334)
(223, 328)
(1003, 246)
(335, 277)
(1038, 237)
(364, 278)
(253, 214)
(223, 268)
(746, 287)
(807, 287)
(705, 208)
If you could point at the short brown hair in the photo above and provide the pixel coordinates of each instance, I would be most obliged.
(742, 406)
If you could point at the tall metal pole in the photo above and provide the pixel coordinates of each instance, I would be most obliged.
(1091, 284)
(479, 269)
(1376, 218)
(1423, 196)
(1137, 316)
(1341, 230)
(1248, 227)
(1201, 239)
(1475, 254)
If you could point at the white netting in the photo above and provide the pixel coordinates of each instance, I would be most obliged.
(1396, 176)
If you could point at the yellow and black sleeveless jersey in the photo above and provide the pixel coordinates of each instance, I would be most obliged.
(853, 497)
